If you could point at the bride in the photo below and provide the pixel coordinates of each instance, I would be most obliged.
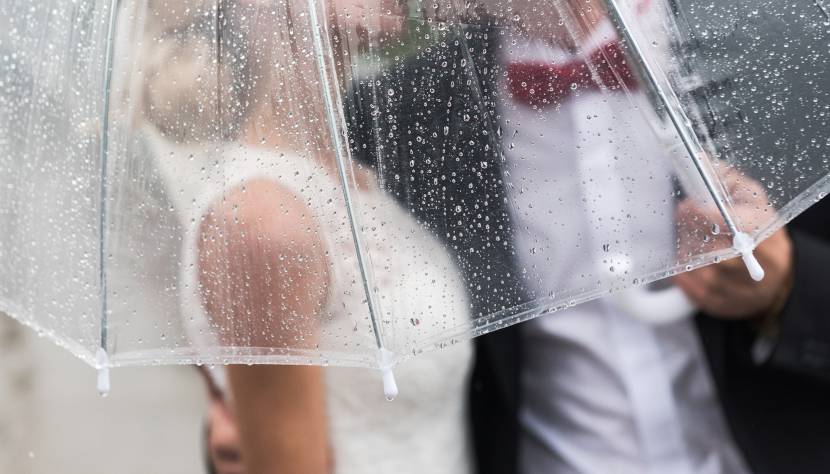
(269, 258)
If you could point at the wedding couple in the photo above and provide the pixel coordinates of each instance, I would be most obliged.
(588, 390)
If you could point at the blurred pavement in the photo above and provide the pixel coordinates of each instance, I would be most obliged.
(53, 421)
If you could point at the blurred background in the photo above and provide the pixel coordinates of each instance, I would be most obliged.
(52, 420)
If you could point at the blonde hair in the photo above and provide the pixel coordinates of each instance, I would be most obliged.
(192, 79)
(214, 72)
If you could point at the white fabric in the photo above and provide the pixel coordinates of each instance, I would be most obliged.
(424, 429)
(602, 391)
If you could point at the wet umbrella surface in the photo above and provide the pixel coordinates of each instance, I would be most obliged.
(356, 182)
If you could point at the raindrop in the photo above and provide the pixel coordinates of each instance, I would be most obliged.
(715, 229)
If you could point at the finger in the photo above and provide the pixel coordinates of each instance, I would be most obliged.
(692, 286)
(695, 219)
(705, 295)
(774, 247)
(738, 184)
(223, 440)
(691, 210)
(728, 280)
(705, 209)
(225, 465)
(732, 271)
(706, 284)
(713, 282)
(747, 190)
(750, 201)
(720, 294)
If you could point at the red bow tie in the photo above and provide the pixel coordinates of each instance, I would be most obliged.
(540, 84)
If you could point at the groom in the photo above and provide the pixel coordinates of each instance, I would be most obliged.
(556, 395)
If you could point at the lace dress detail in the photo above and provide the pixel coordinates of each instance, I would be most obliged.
(423, 431)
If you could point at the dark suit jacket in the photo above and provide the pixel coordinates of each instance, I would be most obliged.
(443, 162)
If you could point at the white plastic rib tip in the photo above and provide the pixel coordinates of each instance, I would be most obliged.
(390, 387)
(102, 361)
(744, 244)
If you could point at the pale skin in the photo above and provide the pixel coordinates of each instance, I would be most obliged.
(223, 445)
(264, 272)
(264, 275)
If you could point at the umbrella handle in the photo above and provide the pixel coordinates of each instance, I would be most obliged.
(655, 307)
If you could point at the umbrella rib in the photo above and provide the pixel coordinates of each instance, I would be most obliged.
(822, 8)
(218, 26)
(742, 242)
(677, 117)
(101, 357)
(385, 357)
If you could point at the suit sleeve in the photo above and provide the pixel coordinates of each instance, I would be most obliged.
(803, 340)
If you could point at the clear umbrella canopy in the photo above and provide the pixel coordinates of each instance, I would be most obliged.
(357, 181)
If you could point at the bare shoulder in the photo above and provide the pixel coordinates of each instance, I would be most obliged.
(265, 212)
(266, 234)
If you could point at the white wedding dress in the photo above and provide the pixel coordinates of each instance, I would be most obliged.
(424, 430)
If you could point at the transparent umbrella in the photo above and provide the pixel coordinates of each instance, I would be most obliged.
(355, 182)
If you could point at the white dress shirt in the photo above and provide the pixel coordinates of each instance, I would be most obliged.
(602, 393)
